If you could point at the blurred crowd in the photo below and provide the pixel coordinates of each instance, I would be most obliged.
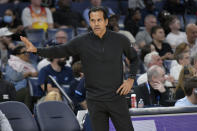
(164, 33)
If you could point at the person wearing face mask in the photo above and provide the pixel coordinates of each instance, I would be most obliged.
(61, 73)
(14, 24)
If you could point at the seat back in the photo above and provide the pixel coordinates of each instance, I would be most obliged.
(36, 36)
(19, 116)
(51, 33)
(34, 88)
(56, 116)
(81, 31)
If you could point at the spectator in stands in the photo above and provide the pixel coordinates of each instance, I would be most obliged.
(144, 37)
(182, 57)
(60, 37)
(131, 22)
(37, 17)
(133, 4)
(61, 73)
(65, 17)
(4, 123)
(150, 59)
(95, 3)
(6, 45)
(193, 62)
(7, 90)
(80, 94)
(190, 90)
(17, 70)
(164, 49)
(11, 21)
(144, 51)
(78, 74)
(163, 18)
(113, 25)
(153, 93)
(191, 32)
(175, 7)
(149, 9)
(175, 37)
(185, 73)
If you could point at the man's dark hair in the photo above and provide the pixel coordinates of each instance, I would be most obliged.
(17, 50)
(99, 8)
(154, 29)
(190, 83)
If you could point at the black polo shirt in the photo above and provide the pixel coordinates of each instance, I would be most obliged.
(101, 59)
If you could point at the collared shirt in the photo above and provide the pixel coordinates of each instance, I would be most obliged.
(101, 59)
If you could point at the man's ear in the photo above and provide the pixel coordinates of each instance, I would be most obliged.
(106, 22)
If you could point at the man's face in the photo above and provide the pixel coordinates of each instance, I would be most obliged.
(159, 35)
(176, 24)
(160, 77)
(150, 22)
(61, 37)
(98, 23)
(156, 60)
(192, 34)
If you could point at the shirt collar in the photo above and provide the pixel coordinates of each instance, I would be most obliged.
(104, 36)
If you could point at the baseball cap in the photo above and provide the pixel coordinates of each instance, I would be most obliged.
(5, 32)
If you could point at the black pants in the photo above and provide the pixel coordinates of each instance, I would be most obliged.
(117, 110)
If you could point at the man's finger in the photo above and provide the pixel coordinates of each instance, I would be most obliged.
(120, 88)
(25, 40)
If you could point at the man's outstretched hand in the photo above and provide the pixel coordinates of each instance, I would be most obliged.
(29, 46)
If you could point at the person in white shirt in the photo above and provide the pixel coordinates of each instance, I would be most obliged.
(37, 17)
(191, 40)
(183, 59)
(151, 59)
(190, 89)
(175, 37)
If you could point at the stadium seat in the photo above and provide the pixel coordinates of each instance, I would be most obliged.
(19, 116)
(56, 116)
(36, 36)
(34, 88)
(81, 30)
(51, 33)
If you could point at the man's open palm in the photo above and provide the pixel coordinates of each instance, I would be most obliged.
(30, 47)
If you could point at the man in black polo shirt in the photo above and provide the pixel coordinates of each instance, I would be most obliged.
(101, 55)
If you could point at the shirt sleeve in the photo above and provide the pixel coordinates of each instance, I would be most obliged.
(42, 76)
(26, 17)
(70, 48)
(131, 54)
(49, 16)
(80, 91)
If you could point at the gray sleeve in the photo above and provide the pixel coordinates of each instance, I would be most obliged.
(26, 17)
(139, 37)
(49, 16)
(4, 123)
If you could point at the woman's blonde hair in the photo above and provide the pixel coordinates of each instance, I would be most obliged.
(53, 96)
(185, 73)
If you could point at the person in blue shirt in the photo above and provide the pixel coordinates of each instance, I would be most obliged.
(190, 90)
(80, 94)
(61, 73)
